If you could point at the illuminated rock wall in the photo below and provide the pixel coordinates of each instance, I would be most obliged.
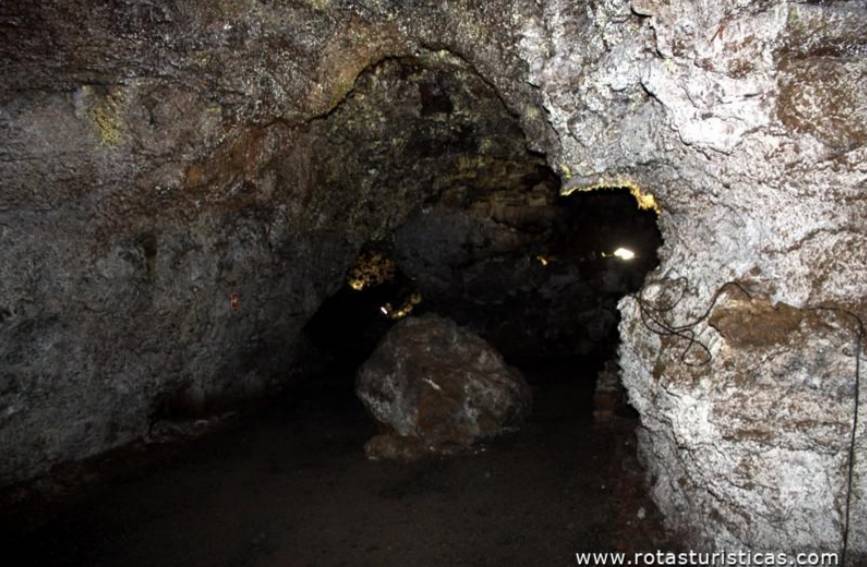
(746, 121)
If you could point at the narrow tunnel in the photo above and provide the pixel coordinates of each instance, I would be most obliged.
(542, 290)
(493, 245)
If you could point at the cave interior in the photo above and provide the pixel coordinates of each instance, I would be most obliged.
(367, 282)
(435, 204)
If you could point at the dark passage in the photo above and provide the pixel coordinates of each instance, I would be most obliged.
(287, 484)
(542, 289)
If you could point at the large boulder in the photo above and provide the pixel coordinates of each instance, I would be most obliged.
(436, 387)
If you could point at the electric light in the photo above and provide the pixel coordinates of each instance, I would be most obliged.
(624, 254)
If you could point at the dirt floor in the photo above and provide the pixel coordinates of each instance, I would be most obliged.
(289, 486)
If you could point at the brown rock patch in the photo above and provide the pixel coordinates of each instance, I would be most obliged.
(756, 323)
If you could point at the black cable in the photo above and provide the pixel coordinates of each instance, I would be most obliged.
(652, 318)
(850, 473)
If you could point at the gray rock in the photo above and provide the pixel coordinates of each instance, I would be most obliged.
(735, 116)
(436, 387)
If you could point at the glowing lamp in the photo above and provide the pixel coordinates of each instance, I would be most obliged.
(624, 254)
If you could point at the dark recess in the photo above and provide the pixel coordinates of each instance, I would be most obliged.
(556, 321)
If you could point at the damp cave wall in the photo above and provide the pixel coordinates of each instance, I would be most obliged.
(156, 159)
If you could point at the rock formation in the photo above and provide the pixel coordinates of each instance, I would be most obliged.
(437, 387)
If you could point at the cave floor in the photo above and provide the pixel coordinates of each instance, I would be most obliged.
(290, 486)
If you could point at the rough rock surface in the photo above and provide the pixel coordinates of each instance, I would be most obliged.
(746, 121)
(183, 185)
(163, 227)
(435, 387)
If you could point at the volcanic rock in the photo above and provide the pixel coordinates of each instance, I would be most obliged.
(436, 387)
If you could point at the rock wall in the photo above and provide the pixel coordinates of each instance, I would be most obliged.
(184, 183)
(745, 120)
(159, 183)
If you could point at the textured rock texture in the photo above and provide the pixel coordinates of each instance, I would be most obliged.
(167, 225)
(436, 387)
(183, 184)
(745, 120)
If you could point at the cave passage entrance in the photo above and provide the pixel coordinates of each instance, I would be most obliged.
(461, 219)
(539, 282)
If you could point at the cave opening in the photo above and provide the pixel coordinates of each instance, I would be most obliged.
(459, 217)
(548, 304)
